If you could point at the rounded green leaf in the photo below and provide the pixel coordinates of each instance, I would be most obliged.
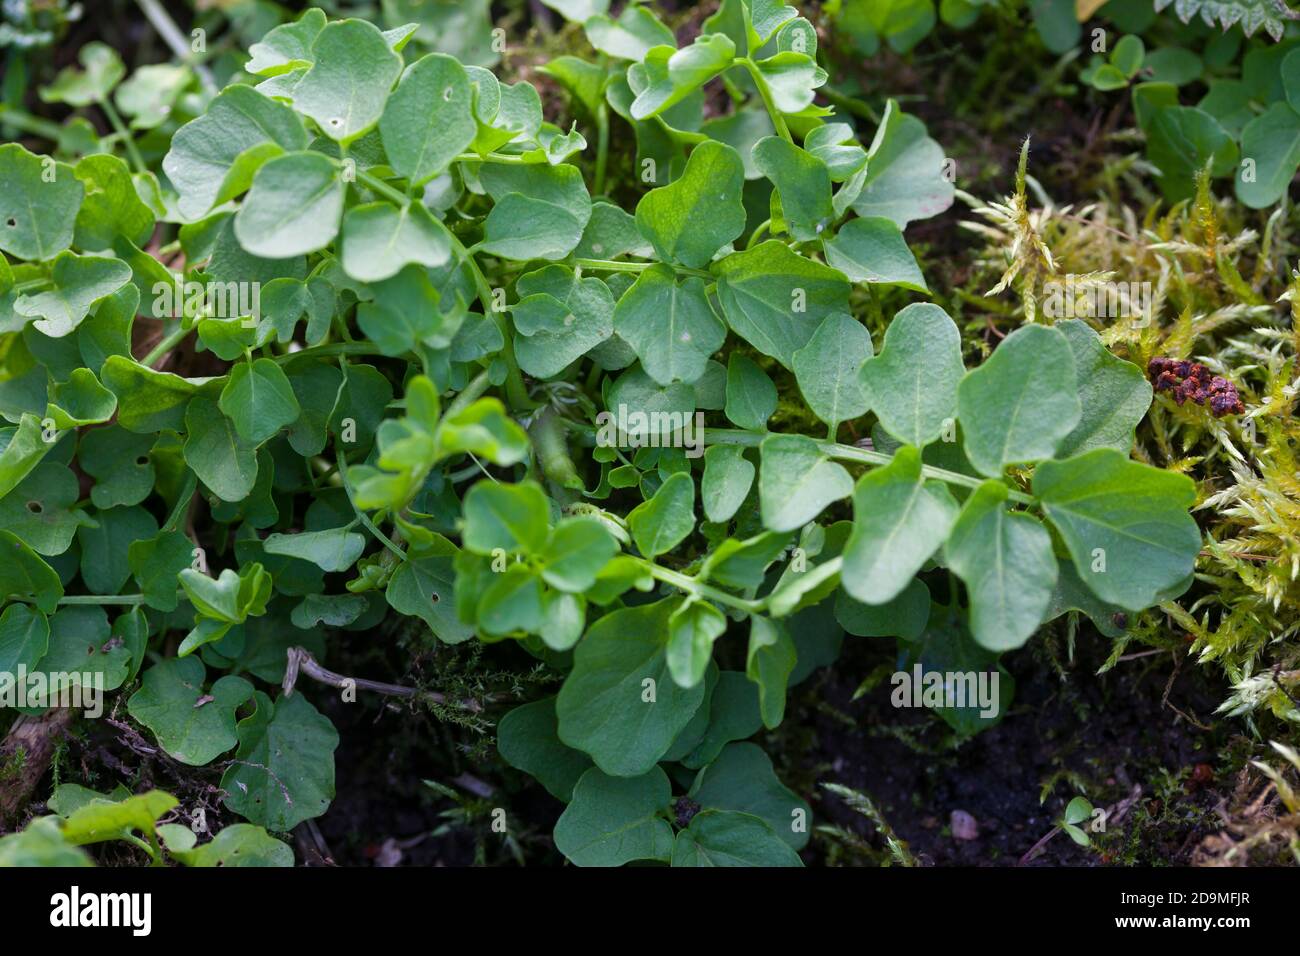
(429, 118)
(827, 369)
(527, 739)
(723, 838)
(193, 725)
(293, 208)
(1114, 394)
(615, 820)
(1005, 558)
(690, 219)
(379, 239)
(283, 772)
(259, 400)
(899, 521)
(872, 249)
(1019, 406)
(912, 384)
(352, 72)
(670, 326)
(1125, 524)
(619, 703)
(663, 522)
(797, 481)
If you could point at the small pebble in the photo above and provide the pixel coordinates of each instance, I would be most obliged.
(963, 826)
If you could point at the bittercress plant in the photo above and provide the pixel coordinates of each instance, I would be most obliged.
(405, 418)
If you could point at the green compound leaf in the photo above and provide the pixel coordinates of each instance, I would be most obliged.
(560, 318)
(620, 703)
(663, 522)
(701, 211)
(803, 183)
(692, 629)
(540, 212)
(24, 638)
(429, 118)
(527, 739)
(775, 298)
(513, 518)
(213, 157)
(240, 844)
(223, 460)
(36, 231)
(293, 208)
(666, 75)
(1125, 524)
(912, 384)
(670, 326)
(797, 481)
(899, 521)
(723, 838)
(768, 663)
(1019, 406)
(283, 772)
(1114, 394)
(259, 400)
(575, 552)
(1005, 559)
(827, 369)
(345, 90)
(80, 284)
(379, 239)
(101, 70)
(728, 476)
(873, 250)
(193, 725)
(616, 820)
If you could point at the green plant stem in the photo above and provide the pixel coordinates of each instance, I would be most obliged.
(30, 124)
(615, 265)
(387, 542)
(866, 456)
(115, 120)
(130, 599)
(516, 393)
(334, 348)
(502, 158)
(476, 387)
(760, 81)
(759, 230)
(691, 586)
(602, 148)
(169, 342)
(375, 184)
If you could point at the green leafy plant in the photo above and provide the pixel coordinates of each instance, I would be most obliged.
(405, 362)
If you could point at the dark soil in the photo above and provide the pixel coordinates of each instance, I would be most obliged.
(1111, 732)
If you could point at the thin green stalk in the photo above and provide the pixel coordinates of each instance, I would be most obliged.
(615, 265)
(759, 230)
(115, 120)
(334, 348)
(516, 393)
(699, 589)
(602, 148)
(33, 125)
(502, 158)
(866, 456)
(375, 184)
(129, 599)
(476, 387)
(760, 81)
(169, 342)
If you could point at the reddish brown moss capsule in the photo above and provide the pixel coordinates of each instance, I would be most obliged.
(1192, 381)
